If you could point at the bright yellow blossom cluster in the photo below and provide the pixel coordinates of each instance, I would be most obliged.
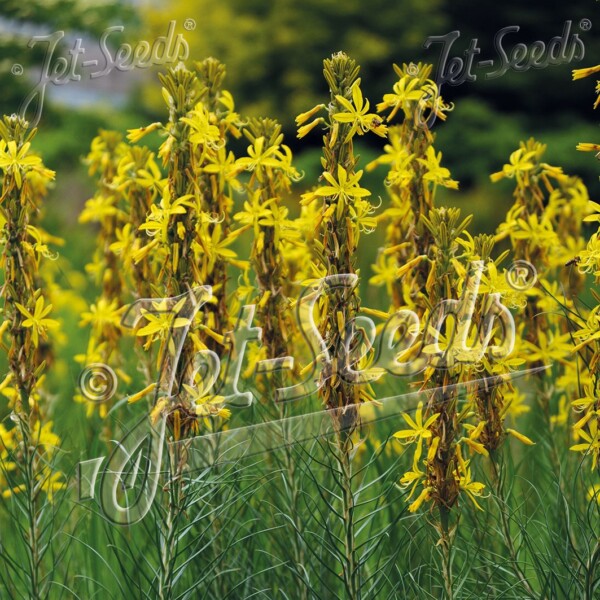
(544, 227)
(586, 404)
(185, 239)
(105, 208)
(27, 449)
(428, 258)
(414, 173)
(341, 213)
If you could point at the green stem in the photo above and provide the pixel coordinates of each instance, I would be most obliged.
(351, 568)
(506, 534)
(298, 552)
(589, 573)
(170, 526)
(446, 546)
(29, 457)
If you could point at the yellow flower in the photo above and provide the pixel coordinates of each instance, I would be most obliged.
(138, 168)
(101, 315)
(283, 228)
(139, 395)
(395, 154)
(357, 113)
(590, 445)
(471, 488)
(214, 246)
(465, 481)
(343, 189)
(406, 91)
(98, 208)
(538, 232)
(50, 482)
(514, 404)
(207, 404)
(520, 162)
(494, 282)
(161, 321)
(418, 430)
(593, 206)
(135, 135)
(589, 258)
(385, 272)
(45, 438)
(37, 321)
(17, 161)
(254, 211)
(158, 220)
(520, 437)
(550, 348)
(472, 442)
(157, 410)
(587, 147)
(412, 477)
(585, 403)
(124, 241)
(436, 173)
(203, 132)
(223, 164)
(581, 73)
(562, 416)
(259, 157)
(306, 129)
(593, 492)
(40, 246)
(305, 116)
(423, 496)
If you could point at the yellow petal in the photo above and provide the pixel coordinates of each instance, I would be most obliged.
(139, 395)
(520, 437)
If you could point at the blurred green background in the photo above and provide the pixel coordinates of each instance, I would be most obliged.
(274, 53)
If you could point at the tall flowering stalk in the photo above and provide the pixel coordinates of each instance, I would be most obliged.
(544, 230)
(188, 232)
(492, 399)
(528, 223)
(344, 214)
(219, 169)
(442, 432)
(270, 163)
(172, 225)
(420, 268)
(103, 315)
(138, 182)
(31, 444)
(587, 335)
(414, 174)
(426, 261)
(447, 471)
(188, 237)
